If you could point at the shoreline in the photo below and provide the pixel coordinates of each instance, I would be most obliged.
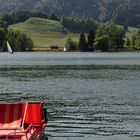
(61, 49)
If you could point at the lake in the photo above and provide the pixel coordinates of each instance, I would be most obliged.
(88, 95)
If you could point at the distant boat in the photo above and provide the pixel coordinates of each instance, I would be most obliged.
(9, 48)
(65, 49)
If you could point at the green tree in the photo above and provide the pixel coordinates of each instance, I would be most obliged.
(136, 41)
(82, 42)
(90, 41)
(125, 27)
(102, 43)
(101, 30)
(137, 45)
(133, 39)
(78, 24)
(19, 41)
(116, 35)
(70, 44)
(138, 33)
(128, 42)
(54, 17)
(2, 37)
(25, 43)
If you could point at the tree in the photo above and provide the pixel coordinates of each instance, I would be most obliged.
(125, 27)
(82, 42)
(138, 33)
(128, 42)
(137, 45)
(112, 34)
(78, 24)
(101, 30)
(116, 35)
(70, 44)
(8, 19)
(102, 39)
(102, 43)
(54, 17)
(19, 41)
(91, 37)
(135, 39)
(25, 43)
(2, 37)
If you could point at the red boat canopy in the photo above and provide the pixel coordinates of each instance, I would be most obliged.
(15, 115)
(10, 115)
(32, 113)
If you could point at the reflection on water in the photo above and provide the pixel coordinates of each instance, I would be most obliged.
(88, 101)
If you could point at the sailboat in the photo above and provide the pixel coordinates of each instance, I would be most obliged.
(9, 48)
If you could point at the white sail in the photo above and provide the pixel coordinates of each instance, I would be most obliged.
(9, 48)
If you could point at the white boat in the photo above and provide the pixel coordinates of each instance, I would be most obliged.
(65, 49)
(9, 48)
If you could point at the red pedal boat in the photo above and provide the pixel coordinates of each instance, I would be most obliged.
(22, 121)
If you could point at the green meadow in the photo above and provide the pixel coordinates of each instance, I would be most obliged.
(44, 32)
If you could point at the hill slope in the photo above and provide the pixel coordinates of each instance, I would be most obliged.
(16, 5)
(122, 11)
(43, 32)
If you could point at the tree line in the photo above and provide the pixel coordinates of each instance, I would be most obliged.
(103, 38)
(18, 41)
(78, 24)
(9, 19)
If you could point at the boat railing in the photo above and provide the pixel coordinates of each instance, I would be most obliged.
(17, 131)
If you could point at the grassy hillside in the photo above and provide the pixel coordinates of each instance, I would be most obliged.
(44, 32)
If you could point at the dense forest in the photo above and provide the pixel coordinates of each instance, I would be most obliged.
(125, 12)
(9, 19)
(77, 24)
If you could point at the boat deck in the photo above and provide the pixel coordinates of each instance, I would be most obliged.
(21, 121)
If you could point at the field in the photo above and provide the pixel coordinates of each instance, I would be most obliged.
(44, 32)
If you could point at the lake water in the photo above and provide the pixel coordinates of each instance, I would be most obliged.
(92, 96)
